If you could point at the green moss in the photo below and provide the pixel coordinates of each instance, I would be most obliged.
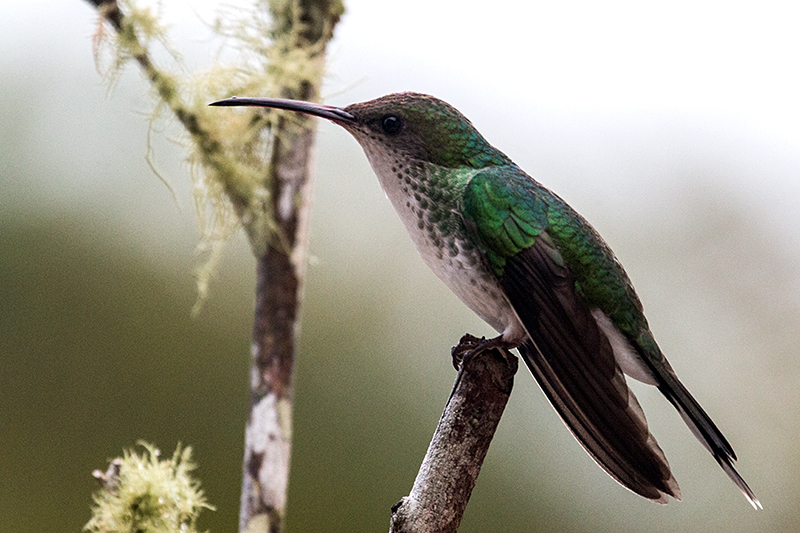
(143, 494)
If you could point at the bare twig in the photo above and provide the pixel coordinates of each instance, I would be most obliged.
(448, 473)
(279, 290)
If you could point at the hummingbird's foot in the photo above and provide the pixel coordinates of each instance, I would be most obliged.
(469, 346)
(465, 349)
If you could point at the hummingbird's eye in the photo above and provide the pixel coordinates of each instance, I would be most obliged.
(391, 124)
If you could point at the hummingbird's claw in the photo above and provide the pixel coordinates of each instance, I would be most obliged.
(466, 348)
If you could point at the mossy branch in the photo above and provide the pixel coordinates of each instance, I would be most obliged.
(254, 165)
(281, 44)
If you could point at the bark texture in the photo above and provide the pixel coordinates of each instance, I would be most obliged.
(451, 466)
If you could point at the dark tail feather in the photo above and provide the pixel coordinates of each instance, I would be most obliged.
(705, 430)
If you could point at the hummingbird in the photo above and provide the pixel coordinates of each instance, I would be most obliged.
(532, 268)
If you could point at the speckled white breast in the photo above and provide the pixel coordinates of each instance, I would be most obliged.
(427, 199)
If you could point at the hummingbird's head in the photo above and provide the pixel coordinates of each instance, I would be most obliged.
(421, 128)
(401, 127)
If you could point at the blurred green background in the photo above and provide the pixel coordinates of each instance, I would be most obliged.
(687, 163)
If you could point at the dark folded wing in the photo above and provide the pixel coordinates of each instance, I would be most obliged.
(574, 364)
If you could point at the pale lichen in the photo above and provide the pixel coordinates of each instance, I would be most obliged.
(228, 152)
(134, 39)
(143, 494)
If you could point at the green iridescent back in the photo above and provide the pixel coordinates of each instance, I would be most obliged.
(508, 210)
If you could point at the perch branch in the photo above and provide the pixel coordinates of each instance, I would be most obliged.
(448, 473)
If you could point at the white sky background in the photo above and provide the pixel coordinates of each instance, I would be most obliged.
(709, 57)
(729, 60)
(732, 61)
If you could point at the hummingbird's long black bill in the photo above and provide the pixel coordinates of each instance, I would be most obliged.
(335, 114)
